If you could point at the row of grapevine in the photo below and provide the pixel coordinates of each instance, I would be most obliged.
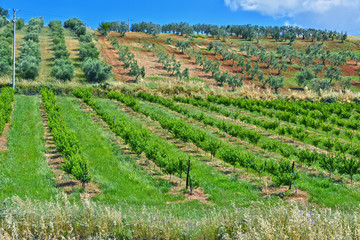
(141, 140)
(213, 145)
(95, 71)
(128, 59)
(66, 142)
(304, 156)
(294, 132)
(6, 99)
(339, 163)
(63, 68)
(30, 56)
(5, 50)
(342, 115)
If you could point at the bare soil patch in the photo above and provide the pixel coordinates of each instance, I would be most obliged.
(111, 57)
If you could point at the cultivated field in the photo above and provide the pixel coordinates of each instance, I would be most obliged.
(156, 151)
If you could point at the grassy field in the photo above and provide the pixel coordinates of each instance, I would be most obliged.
(24, 171)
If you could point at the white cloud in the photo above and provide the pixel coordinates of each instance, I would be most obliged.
(334, 14)
(288, 7)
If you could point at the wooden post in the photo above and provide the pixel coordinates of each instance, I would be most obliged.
(188, 175)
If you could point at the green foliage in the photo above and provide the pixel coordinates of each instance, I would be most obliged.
(182, 45)
(320, 84)
(63, 69)
(276, 83)
(304, 77)
(66, 142)
(284, 174)
(76, 25)
(30, 48)
(104, 28)
(28, 67)
(34, 36)
(36, 22)
(6, 98)
(20, 23)
(182, 74)
(121, 27)
(88, 50)
(350, 166)
(136, 71)
(4, 67)
(96, 71)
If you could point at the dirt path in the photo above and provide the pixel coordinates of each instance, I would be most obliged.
(178, 184)
(63, 180)
(111, 56)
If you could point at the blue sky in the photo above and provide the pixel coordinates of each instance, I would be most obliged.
(340, 15)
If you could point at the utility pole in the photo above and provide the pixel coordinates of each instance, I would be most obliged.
(13, 73)
(129, 23)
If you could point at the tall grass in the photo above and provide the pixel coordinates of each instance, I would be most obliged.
(62, 219)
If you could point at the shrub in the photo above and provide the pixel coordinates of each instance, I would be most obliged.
(4, 67)
(3, 21)
(37, 21)
(80, 30)
(5, 51)
(20, 23)
(61, 53)
(95, 70)
(28, 67)
(85, 38)
(88, 50)
(34, 36)
(63, 69)
(30, 48)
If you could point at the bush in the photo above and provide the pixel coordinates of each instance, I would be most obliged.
(63, 69)
(95, 70)
(61, 53)
(34, 28)
(28, 67)
(34, 36)
(85, 38)
(4, 67)
(5, 51)
(20, 23)
(3, 21)
(37, 21)
(88, 50)
(30, 48)
(80, 30)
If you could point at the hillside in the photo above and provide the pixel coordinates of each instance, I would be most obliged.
(178, 137)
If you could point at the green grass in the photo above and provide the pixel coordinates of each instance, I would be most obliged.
(195, 79)
(223, 190)
(24, 171)
(154, 78)
(328, 193)
(331, 196)
(119, 176)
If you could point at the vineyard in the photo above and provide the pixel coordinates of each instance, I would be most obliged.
(161, 133)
